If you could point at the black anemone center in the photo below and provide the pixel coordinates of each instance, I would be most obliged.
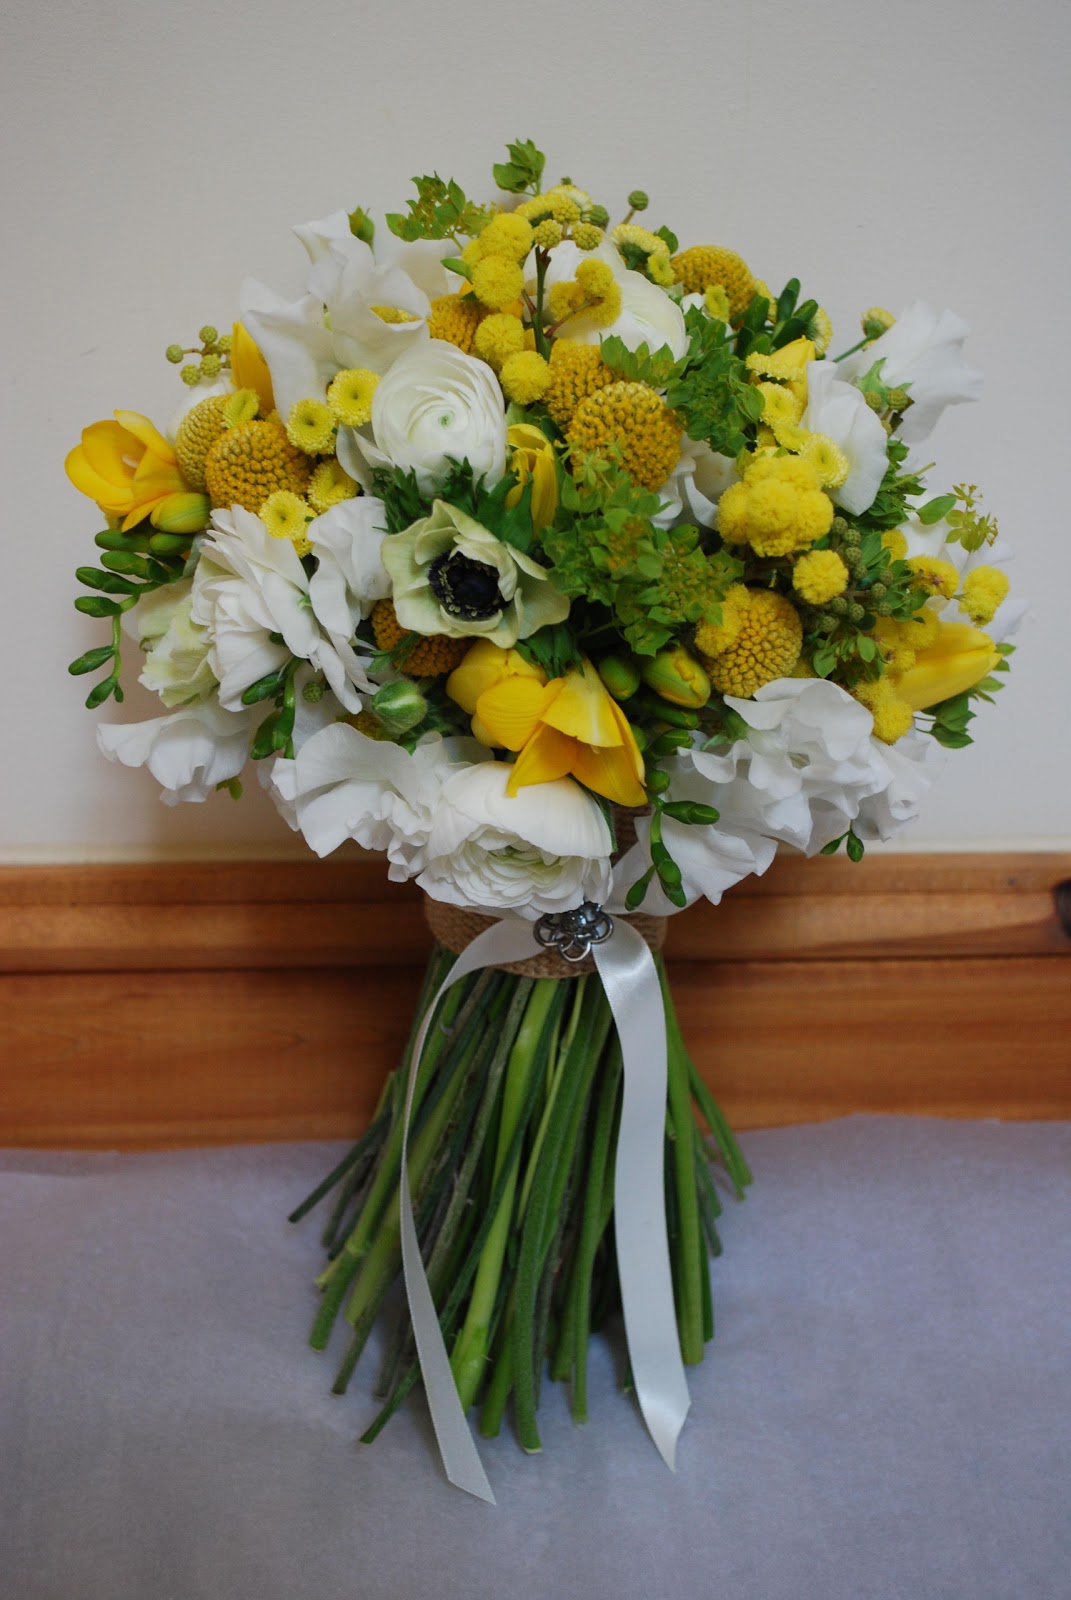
(465, 588)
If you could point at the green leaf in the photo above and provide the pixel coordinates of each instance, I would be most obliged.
(523, 170)
(855, 847)
(833, 846)
(672, 242)
(934, 510)
(639, 365)
(455, 264)
(93, 605)
(91, 660)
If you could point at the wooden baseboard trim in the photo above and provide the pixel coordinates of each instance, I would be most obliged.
(203, 1003)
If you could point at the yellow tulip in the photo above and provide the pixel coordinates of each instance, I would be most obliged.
(249, 370)
(132, 472)
(485, 665)
(572, 725)
(959, 657)
(532, 456)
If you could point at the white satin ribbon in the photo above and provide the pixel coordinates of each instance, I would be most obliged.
(628, 974)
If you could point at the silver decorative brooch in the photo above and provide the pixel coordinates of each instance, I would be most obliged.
(572, 933)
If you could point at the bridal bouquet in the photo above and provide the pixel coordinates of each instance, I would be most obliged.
(561, 563)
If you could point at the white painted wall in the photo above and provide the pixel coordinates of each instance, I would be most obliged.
(881, 152)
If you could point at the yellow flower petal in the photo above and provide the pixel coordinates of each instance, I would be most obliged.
(584, 709)
(110, 496)
(547, 755)
(511, 711)
(249, 370)
(610, 773)
(147, 435)
(484, 665)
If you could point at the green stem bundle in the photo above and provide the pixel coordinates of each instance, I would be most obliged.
(511, 1167)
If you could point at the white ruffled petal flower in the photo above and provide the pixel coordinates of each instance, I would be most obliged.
(839, 410)
(176, 648)
(545, 850)
(923, 350)
(189, 753)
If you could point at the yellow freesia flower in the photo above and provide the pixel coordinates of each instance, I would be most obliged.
(249, 370)
(485, 666)
(532, 456)
(132, 472)
(570, 725)
(959, 657)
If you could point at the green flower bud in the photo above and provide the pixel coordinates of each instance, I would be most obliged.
(190, 375)
(211, 365)
(656, 781)
(878, 591)
(399, 706)
(599, 216)
(677, 676)
(826, 623)
(666, 743)
(208, 334)
(884, 608)
(876, 322)
(313, 692)
(182, 513)
(692, 812)
(899, 399)
(839, 606)
(621, 675)
(168, 544)
(174, 353)
(638, 200)
(856, 612)
(223, 344)
(874, 401)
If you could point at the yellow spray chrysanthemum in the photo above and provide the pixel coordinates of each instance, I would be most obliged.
(984, 590)
(789, 364)
(350, 396)
(497, 281)
(717, 302)
(635, 419)
(432, 653)
(248, 463)
(875, 321)
(781, 411)
(197, 433)
(776, 508)
(455, 318)
(505, 235)
(311, 427)
(287, 516)
(826, 457)
(498, 337)
(576, 371)
(935, 575)
(329, 485)
(524, 377)
(704, 265)
(822, 328)
(818, 576)
(766, 642)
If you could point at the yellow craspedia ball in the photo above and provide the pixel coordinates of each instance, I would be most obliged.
(635, 419)
(576, 370)
(767, 645)
(819, 576)
(498, 337)
(984, 590)
(524, 377)
(935, 575)
(707, 265)
(455, 318)
(248, 463)
(497, 281)
(432, 654)
(198, 432)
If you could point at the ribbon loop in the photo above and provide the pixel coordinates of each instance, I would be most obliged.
(627, 971)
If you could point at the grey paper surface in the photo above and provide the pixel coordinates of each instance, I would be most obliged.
(884, 1413)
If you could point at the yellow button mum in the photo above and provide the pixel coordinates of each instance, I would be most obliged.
(706, 265)
(570, 726)
(248, 463)
(637, 421)
(766, 639)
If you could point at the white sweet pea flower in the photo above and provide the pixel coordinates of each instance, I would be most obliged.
(923, 350)
(337, 323)
(839, 410)
(911, 767)
(189, 752)
(176, 665)
(545, 850)
(648, 315)
(249, 586)
(350, 577)
(343, 785)
(435, 405)
(694, 487)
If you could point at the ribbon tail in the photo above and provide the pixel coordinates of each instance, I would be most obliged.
(629, 976)
(506, 941)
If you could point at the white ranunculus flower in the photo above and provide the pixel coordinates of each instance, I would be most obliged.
(189, 752)
(249, 586)
(839, 410)
(923, 350)
(343, 785)
(435, 405)
(648, 315)
(545, 850)
(334, 326)
(176, 648)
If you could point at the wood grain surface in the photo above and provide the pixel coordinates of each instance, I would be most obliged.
(210, 1003)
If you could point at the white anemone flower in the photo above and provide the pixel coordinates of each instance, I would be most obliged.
(839, 410)
(343, 785)
(544, 850)
(337, 324)
(189, 752)
(248, 587)
(923, 350)
(932, 539)
(648, 315)
(694, 487)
